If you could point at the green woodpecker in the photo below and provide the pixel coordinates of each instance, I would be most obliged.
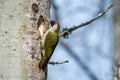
(49, 43)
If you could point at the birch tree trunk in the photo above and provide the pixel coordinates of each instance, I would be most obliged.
(20, 39)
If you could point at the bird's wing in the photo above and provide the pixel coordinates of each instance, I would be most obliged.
(50, 43)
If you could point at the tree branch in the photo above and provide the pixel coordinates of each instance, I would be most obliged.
(66, 31)
(53, 63)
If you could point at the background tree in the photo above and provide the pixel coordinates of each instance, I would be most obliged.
(117, 40)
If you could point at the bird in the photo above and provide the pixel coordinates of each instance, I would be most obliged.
(49, 43)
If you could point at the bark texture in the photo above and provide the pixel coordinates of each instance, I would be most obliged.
(20, 38)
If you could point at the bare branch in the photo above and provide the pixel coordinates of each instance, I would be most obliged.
(66, 31)
(53, 63)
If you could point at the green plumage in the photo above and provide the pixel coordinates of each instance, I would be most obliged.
(49, 42)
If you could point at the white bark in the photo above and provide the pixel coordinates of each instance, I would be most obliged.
(15, 61)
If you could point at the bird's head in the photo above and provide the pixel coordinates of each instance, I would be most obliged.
(55, 26)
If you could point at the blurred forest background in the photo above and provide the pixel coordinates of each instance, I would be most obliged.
(117, 37)
(117, 29)
(90, 50)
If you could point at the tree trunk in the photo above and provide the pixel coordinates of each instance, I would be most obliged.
(20, 38)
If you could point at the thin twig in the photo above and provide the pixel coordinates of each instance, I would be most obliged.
(66, 32)
(53, 63)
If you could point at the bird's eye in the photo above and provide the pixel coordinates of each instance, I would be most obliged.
(52, 23)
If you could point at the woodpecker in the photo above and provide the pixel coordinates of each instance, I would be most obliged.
(49, 43)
